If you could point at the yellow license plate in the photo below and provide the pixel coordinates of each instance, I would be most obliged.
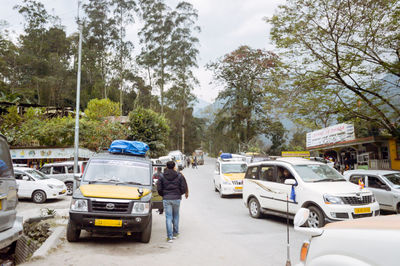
(238, 188)
(106, 222)
(362, 210)
(62, 192)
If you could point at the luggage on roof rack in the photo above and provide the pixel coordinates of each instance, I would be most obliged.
(129, 147)
(226, 156)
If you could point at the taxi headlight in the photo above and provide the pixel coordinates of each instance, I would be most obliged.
(329, 199)
(141, 208)
(80, 205)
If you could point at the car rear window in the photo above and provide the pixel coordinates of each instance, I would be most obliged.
(5, 160)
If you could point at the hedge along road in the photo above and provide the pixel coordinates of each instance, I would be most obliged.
(213, 231)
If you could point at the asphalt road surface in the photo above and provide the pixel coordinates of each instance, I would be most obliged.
(213, 231)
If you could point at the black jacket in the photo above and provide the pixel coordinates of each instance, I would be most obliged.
(171, 185)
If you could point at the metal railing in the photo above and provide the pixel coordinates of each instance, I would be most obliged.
(379, 164)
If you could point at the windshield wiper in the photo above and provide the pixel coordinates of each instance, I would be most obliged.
(324, 180)
(103, 181)
(338, 180)
(129, 183)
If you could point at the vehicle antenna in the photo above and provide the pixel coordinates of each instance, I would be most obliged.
(288, 263)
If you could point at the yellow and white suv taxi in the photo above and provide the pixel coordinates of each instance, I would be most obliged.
(114, 195)
(230, 170)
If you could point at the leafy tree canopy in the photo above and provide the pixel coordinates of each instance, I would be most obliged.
(98, 109)
(342, 59)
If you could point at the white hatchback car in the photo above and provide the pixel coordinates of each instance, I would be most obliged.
(308, 184)
(229, 175)
(368, 241)
(37, 186)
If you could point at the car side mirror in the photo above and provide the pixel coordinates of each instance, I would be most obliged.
(26, 178)
(291, 182)
(388, 188)
(77, 177)
(301, 216)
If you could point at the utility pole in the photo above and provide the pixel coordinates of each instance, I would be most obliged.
(78, 96)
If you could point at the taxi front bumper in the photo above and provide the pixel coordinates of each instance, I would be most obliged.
(129, 222)
(231, 189)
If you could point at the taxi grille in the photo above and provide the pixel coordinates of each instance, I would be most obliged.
(363, 200)
(110, 207)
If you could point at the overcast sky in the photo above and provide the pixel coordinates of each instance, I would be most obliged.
(225, 25)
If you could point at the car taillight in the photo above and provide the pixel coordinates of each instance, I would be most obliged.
(304, 251)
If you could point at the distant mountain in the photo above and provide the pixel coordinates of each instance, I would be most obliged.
(199, 107)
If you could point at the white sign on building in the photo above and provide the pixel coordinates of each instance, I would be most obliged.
(329, 135)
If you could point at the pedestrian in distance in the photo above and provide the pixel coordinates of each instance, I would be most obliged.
(171, 186)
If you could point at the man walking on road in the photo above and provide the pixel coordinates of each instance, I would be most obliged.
(171, 186)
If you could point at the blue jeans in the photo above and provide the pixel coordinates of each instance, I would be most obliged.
(171, 209)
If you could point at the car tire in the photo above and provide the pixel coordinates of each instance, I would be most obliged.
(316, 218)
(220, 193)
(70, 188)
(254, 208)
(38, 196)
(398, 208)
(215, 187)
(73, 232)
(146, 234)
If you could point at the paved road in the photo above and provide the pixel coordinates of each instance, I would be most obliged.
(214, 231)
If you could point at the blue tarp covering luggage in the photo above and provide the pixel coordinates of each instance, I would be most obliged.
(128, 147)
(226, 156)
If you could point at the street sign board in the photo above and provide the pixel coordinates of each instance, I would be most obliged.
(329, 135)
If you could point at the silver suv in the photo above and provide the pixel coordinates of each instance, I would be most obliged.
(64, 172)
(385, 185)
(10, 224)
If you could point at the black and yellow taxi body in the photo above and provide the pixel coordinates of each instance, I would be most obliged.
(114, 196)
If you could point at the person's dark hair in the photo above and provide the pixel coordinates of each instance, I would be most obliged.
(170, 165)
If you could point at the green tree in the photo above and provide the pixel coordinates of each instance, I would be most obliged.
(243, 73)
(155, 38)
(150, 127)
(182, 60)
(123, 17)
(342, 57)
(98, 109)
(100, 33)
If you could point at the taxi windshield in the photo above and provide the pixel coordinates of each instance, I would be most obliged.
(394, 179)
(36, 174)
(233, 168)
(118, 172)
(318, 173)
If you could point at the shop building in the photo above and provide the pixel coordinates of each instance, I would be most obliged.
(339, 143)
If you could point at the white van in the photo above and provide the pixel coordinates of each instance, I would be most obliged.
(229, 175)
(307, 184)
(179, 159)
